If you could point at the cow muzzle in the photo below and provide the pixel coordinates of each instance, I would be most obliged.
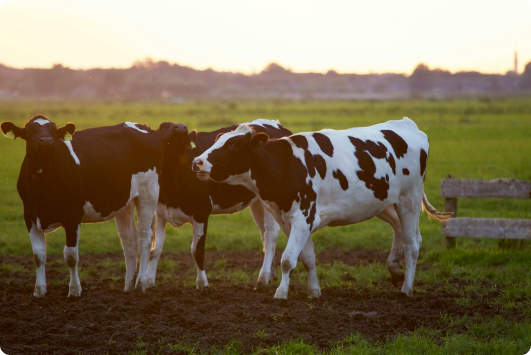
(198, 166)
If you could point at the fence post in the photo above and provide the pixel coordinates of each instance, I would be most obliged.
(451, 206)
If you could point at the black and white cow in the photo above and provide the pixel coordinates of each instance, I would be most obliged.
(186, 199)
(331, 178)
(102, 173)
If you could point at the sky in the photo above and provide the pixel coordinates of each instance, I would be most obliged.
(356, 36)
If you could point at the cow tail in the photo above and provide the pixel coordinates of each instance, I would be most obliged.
(441, 216)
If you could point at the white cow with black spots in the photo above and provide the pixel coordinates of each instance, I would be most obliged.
(331, 178)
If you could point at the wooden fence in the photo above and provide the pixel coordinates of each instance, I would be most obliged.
(498, 228)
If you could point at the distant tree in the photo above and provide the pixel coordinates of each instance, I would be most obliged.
(275, 69)
(114, 78)
(525, 78)
(421, 79)
(331, 72)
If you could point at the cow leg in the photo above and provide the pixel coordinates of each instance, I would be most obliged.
(299, 234)
(125, 223)
(408, 211)
(308, 260)
(390, 216)
(156, 250)
(198, 252)
(71, 255)
(269, 229)
(38, 244)
(146, 206)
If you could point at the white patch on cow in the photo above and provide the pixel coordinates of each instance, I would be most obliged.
(262, 122)
(38, 244)
(133, 126)
(175, 216)
(39, 171)
(138, 182)
(201, 280)
(72, 153)
(41, 121)
(47, 229)
(71, 256)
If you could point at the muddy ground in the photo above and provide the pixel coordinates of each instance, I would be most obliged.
(107, 320)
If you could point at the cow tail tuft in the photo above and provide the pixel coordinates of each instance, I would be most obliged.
(441, 216)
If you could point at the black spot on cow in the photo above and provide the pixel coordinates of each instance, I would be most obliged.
(423, 161)
(300, 141)
(365, 151)
(338, 174)
(314, 163)
(399, 145)
(392, 163)
(405, 171)
(324, 143)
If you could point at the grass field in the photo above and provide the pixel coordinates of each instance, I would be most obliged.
(468, 139)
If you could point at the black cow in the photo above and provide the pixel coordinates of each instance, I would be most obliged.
(331, 178)
(186, 199)
(102, 173)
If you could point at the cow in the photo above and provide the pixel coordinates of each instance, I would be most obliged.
(100, 174)
(331, 178)
(186, 199)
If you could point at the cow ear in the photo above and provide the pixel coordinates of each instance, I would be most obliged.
(66, 132)
(259, 139)
(192, 139)
(12, 132)
(218, 136)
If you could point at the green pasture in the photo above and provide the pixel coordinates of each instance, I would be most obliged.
(484, 139)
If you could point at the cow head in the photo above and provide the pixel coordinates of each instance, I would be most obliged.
(40, 135)
(176, 135)
(230, 155)
(176, 139)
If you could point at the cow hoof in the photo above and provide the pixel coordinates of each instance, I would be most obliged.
(408, 293)
(40, 291)
(140, 286)
(150, 282)
(314, 293)
(281, 294)
(201, 284)
(74, 292)
(262, 281)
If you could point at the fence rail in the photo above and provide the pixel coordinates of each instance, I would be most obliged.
(498, 228)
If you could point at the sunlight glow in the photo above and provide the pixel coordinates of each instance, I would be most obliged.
(237, 35)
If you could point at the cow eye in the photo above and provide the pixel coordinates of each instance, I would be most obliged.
(233, 146)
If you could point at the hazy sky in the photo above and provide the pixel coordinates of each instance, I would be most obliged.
(245, 35)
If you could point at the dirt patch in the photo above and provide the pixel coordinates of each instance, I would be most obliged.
(105, 319)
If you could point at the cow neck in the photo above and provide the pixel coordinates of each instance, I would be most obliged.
(54, 180)
(268, 168)
(175, 172)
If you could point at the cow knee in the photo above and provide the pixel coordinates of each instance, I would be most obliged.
(38, 260)
(71, 257)
(287, 265)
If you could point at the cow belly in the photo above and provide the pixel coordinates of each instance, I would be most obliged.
(216, 209)
(176, 217)
(143, 182)
(90, 215)
(343, 214)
